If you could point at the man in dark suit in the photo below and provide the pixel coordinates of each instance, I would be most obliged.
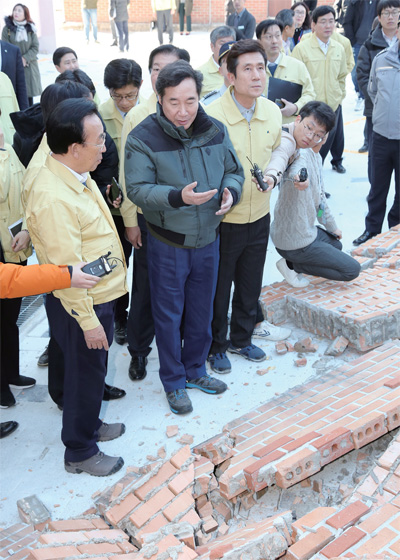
(242, 20)
(11, 64)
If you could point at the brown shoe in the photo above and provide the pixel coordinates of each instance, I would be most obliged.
(97, 465)
(107, 432)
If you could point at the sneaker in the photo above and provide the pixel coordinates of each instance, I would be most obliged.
(107, 432)
(120, 332)
(23, 382)
(359, 104)
(291, 277)
(266, 331)
(207, 384)
(7, 399)
(219, 363)
(43, 360)
(97, 465)
(179, 401)
(250, 352)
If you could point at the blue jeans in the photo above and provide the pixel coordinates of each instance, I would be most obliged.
(182, 284)
(123, 33)
(356, 50)
(90, 16)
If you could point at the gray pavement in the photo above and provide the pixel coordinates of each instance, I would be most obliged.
(31, 459)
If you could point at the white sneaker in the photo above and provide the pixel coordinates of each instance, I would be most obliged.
(359, 104)
(266, 331)
(291, 277)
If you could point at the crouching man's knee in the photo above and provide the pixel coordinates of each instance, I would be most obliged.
(352, 271)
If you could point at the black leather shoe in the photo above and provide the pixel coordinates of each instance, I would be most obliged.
(137, 368)
(364, 237)
(338, 167)
(112, 393)
(7, 399)
(7, 428)
(114, 44)
(43, 360)
(120, 333)
(363, 149)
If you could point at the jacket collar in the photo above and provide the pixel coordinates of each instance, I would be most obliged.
(65, 175)
(232, 113)
(203, 127)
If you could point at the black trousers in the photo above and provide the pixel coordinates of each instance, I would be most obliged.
(140, 318)
(9, 340)
(243, 248)
(335, 141)
(85, 372)
(122, 303)
(385, 158)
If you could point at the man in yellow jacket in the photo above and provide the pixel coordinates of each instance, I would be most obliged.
(69, 221)
(212, 79)
(254, 126)
(326, 62)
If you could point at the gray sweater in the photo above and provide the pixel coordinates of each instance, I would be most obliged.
(296, 211)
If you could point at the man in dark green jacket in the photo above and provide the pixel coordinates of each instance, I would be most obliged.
(182, 171)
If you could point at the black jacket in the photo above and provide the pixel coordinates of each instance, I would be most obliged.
(247, 25)
(29, 129)
(11, 64)
(353, 18)
(372, 46)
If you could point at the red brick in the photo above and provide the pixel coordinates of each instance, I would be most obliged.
(109, 534)
(393, 383)
(378, 518)
(368, 429)
(334, 445)
(165, 472)
(299, 466)
(191, 517)
(391, 455)
(310, 544)
(99, 548)
(117, 513)
(143, 513)
(203, 466)
(298, 442)
(72, 525)
(348, 516)
(179, 506)
(54, 553)
(220, 551)
(63, 537)
(301, 362)
(255, 480)
(272, 446)
(313, 517)
(392, 413)
(376, 543)
(152, 526)
(180, 458)
(209, 525)
(393, 485)
(349, 538)
(182, 480)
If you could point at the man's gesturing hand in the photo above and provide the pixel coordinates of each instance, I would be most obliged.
(191, 197)
(226, 202)
(96, 338)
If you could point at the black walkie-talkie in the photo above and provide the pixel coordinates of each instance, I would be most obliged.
(258, 174)
(100, 267)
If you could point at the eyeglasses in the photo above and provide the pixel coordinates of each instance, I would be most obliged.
(388, 13)
(313, 135)
(100, 146)
(129, 97)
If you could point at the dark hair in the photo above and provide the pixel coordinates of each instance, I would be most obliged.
(307, 20)
(122, 72)
(181, 54)
(60, 52)
(243, 46)
(264, 25)
(286, 17)
(55, 93)
(383, 4)
(323, 114)
(78, 76)
(222, 31)
(173, 74)
(65, 124)
(26, 12)
(322, 11)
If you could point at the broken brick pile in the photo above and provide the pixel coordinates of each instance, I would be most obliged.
(365, 311)
(185, 507)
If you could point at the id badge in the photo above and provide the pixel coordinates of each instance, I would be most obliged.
(321, 210)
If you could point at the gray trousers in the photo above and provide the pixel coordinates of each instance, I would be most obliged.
(164, 17)
(324, 258)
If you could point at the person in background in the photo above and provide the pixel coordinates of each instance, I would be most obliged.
(8, 104)
(302, 21)
(210, 97)
(21, 32)
(123, 79)
(163, 10)
(242, 21)
(286, 18)
(89, 14)
(140, 319)
(65, 58)
(283, 67)
(11, 64)
(212, 79)
(14, 248)
(384, 91)
(119, 13)
(184, 8)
